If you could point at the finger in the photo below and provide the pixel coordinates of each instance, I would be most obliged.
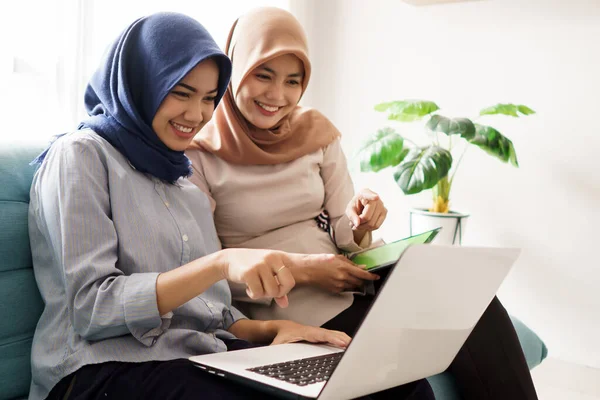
(343, 337)
(254, 286)
(352, 282)
(380, 221)
(286, 281)
(352, 214)
(327, 336)
(282, 301)
(368, 212)
(269, 282)
(366, 196)
(372, 222)
(360, 273)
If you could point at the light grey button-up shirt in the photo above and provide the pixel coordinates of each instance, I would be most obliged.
(101, 232)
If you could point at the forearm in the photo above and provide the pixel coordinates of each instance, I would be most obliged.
(255, 331)
(180, 285)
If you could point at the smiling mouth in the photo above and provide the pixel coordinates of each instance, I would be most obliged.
(268, 108)
(182, 130)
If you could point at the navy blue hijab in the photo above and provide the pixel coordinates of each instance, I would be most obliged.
(140, 68)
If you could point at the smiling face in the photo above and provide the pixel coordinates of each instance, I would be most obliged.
(271, 91)
(188, 106)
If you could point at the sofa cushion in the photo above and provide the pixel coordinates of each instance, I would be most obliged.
(20, 303)
(14, 240)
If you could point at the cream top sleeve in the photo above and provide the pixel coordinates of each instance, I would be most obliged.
(339, 190)
(198, 177)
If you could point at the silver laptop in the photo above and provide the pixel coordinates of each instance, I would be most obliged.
(420, 318)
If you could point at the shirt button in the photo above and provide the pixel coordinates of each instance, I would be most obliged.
(210, 305)
(167, 204)
(185, 238)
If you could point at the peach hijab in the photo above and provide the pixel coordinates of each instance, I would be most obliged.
(255, 38)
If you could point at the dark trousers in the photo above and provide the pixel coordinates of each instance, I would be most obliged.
(489, 366)
(181, 380)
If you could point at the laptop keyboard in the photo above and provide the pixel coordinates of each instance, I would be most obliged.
(302, 372)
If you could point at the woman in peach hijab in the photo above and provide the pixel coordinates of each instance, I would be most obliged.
(276, 172)
(277, 178)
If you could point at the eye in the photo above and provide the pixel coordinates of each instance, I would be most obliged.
(263, 77)
(210, 99)
(180, 94)
(293, 82)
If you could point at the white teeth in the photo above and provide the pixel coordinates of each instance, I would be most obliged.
(181, 128)
(266, 107)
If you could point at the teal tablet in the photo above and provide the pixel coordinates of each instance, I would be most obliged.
(388, 254)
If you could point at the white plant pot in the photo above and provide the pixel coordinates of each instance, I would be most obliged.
(452, 224)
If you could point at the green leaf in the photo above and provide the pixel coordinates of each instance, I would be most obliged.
(422, 169)
(383, 149)
(456, 126)
(507, 109)
(407, 110)
(494, 143)
(525, 110)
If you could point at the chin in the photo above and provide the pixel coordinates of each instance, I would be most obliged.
(178, 146)
(263, 123)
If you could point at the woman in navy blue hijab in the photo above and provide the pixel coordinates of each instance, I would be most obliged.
(139, 69)
(125, 251)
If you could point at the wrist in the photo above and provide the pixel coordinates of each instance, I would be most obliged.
(220, 263)
(271, 328)
(301, 275)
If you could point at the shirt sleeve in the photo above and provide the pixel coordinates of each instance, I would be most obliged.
(339, 190)
(75, 208)
(231, 316)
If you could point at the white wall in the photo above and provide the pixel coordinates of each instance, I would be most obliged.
(45, 68)
(465, 56)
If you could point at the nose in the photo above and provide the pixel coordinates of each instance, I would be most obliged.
(275, 91)
(194, 113)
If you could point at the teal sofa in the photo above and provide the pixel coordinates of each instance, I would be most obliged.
(21, 304)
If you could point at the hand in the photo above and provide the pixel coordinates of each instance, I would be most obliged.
(366, 211)
(291, 332)
(266, 273)
(334, 274)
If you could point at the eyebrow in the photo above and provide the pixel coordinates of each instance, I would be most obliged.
(193, 89)
(294, 75)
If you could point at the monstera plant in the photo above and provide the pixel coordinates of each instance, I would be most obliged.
(432, 166)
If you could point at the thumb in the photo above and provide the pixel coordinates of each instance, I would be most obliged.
(282, 302)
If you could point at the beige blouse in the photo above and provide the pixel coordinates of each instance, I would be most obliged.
(273, 207)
